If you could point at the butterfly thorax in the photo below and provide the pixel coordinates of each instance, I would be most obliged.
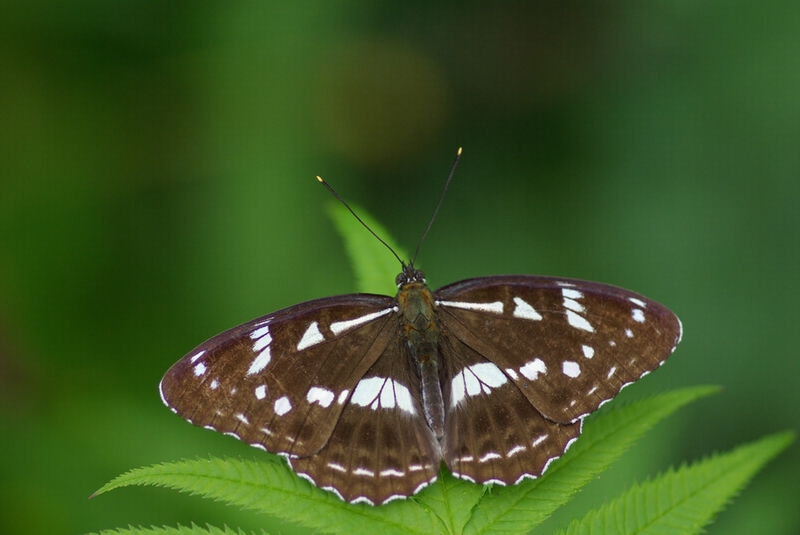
(421, 332)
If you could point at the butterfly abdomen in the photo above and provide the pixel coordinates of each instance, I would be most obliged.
(421, 331)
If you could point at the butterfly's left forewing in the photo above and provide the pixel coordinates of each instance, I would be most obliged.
(281, 381)
(568, 345)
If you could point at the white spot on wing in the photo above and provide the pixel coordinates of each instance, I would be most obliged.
(342, 396)
(579, 322)
(363, 472)
(214, 384)
(258, 333)
(513, 451)
(323, 396)
(637, 302)
(571, 369)
(611, 372)
(489, 456)
(638, 315)
(338, 327)
(573, 305)
(260, 362)
(494, 308)
(337, 467)
(261, 392)
(489, 374)
(199, 369)
(511, 373)
(242, 418)
(392, 472)
(311, 337)
(532, 369)
(383, 393)
(525, 311)
(539, 440)
(197, 356)
(588, 351)
(473, 380)
(629, 333)
(262, 342)
(571, 294)
(282, 406)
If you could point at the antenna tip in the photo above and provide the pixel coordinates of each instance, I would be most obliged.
(320, 179)
(459, 151)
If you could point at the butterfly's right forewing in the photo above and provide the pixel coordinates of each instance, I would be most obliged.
(281, 381)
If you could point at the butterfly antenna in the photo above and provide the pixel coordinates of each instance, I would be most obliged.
(339, 198)
(430, 223)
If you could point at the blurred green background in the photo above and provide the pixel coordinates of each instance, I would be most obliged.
(157, 164)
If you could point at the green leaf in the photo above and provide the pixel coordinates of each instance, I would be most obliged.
(448, 506)
(518, 508)
(271, 488)
(374, 265)
(682, 501)
(180, 530)
(451, 500)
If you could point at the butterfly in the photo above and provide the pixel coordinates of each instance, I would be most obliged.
(366, 395)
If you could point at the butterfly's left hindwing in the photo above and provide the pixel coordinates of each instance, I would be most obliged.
(282, 380)
(493, 433)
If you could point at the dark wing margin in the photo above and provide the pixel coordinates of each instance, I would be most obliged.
(280, 382)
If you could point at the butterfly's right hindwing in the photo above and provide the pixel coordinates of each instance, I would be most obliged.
(282, 380)
(382, 448)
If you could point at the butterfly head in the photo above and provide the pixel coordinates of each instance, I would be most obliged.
(409, 275)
